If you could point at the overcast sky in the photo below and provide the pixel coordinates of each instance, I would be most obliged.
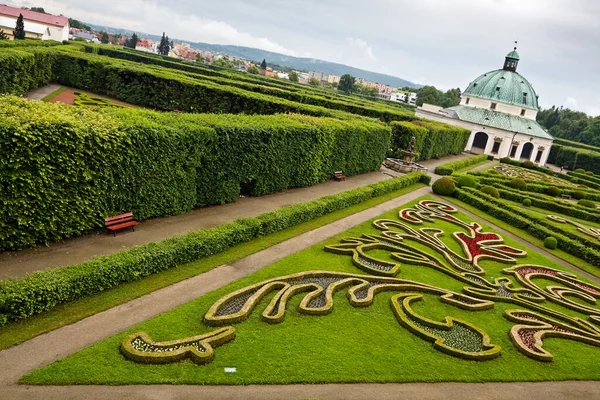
(446, 43)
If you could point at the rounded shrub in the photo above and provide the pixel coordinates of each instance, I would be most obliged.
(505, 160)
(490, 191)
(579, 194)
(586, 203)
(444, 186)
(553, 191)
(589, 172)
(550, 242)
(518, 183)
(527, 202)
(580, 170)
(465, 181)
(528, 164)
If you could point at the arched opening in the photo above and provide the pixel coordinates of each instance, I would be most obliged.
(479, 143)
(526, 152)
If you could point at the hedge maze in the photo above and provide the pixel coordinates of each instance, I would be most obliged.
(522, 287)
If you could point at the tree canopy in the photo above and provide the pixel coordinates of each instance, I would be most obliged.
(19, 32)
(263, 64)
(132, 41)
(105, 39)
(571, 125)
(347, 83)
(253, 69)
(293, 76)
(3, 35)
(165, 45)
(431, 95)
(73, 23)
(314, 81)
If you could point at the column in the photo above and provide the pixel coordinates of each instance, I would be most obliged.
(470, 142)
(534, 152)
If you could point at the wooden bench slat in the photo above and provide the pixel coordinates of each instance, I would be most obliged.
(117, 217)
(122, 226)
(121, 221)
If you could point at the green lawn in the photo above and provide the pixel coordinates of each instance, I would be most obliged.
(65, 314)
(348, 345)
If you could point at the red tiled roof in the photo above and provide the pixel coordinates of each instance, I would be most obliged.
(33, 16)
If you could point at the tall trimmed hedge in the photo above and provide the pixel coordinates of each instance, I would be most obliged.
(431, 138)
(21, 70)
(62, 168)
(42, 291)
(28, 43)
(576, 158)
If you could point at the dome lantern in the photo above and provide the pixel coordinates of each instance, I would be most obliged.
(511, 61)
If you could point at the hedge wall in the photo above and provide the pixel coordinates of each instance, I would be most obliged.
(449, 168)
(569, 242)
(42, 291)
(576, 158)
(27, 43)
(22, 71)
(431, 138)
(570, 143)
(62, 168)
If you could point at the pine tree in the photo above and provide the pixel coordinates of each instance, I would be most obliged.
(165, 45)
(263, 64)
(3, 35)
(132, 42)
(19, 32)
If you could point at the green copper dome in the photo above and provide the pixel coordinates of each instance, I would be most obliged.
(513, 54)
(505, 87)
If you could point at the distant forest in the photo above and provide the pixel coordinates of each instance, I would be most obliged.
(572, 125)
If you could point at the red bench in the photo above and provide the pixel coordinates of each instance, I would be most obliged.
(119, 222)
(339, 176)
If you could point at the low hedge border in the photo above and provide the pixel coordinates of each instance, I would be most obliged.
(536, 227)
(449, 168)
(43, 290)
(583, 179)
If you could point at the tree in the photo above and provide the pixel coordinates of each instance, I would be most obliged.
(105, 39)
(165, 45)
(253, 70)
(199, 58)
(73, 23)
(38, 9)
(429, 92)
(223, 63)
(314, 82)
(293, 76)
(3, 35)
(116, 38)
(347, 83)
(132, 41)
(263, 64)
(19, 32)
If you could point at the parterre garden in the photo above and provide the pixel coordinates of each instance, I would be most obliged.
(423, 293)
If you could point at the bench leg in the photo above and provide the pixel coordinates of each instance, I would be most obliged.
(133, 228)
(114, 233)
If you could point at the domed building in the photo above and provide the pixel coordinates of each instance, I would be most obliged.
(499, 108)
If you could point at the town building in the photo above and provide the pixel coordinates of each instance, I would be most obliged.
(87, 36)
(500, 109)
(37, 25)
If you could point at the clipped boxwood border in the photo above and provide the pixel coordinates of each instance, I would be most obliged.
(449, 168)
(44, 290)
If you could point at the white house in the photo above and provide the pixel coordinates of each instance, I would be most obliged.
(37, 25)
(499, 108)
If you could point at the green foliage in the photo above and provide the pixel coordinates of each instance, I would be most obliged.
(314, 82)
(19, 32)
(490, 191)
(132, 41)
(293, 76)
(44, 290)
(263, 64)
(105, 39)
(432, 139)
(527, 202)
(528, 164)
(253, 70)
(449, 168)
(79, 25)
(518, 183)
(347, 83)
(550, 243)
(431, 95)
(579, 194)
(28, 69)
(553, 191)
(587, 203)
(465, 181)
(87, 164)
(505, 160)
(164, 47)
(444, 186)
(3, 35)
(580, 170)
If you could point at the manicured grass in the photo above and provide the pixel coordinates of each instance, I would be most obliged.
(471, 167)
(584, 265)
(348, 345)
(65, 314)
(54, 94)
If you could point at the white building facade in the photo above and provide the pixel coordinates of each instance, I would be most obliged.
(500, 109)
(37, 25)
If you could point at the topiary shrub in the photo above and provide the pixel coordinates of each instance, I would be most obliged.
(465, 181)
(527, 202)
(586, 203)
(591, 173)
(550, 243)
(444, 186)
(528, 165)
(518, 183)
(580, 170)
(579, 194)
(505, 160)
(553, 191)
(490, 191)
